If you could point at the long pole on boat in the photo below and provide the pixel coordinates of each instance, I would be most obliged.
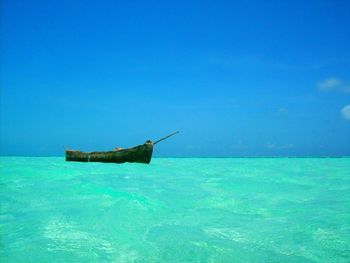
(166, 137)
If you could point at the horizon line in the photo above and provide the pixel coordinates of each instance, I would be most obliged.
(257, 156)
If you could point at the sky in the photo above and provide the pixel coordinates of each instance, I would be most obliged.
(236, 78)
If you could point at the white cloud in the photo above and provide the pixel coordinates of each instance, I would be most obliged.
(333, 84)
(276, 146)
(329, 84)
(282, 111)
(346, 112)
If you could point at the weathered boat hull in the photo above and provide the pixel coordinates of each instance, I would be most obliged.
(137, 154)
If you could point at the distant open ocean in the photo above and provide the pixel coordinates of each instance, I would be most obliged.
(175, 210)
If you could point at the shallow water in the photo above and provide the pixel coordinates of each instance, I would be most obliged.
(175, 210)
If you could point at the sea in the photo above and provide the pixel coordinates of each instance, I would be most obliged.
(175, 210)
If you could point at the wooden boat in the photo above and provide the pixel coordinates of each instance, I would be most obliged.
(138, 154)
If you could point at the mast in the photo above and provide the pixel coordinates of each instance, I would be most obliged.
(166, 137)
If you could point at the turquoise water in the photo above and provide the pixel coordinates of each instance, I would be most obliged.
(175, 210)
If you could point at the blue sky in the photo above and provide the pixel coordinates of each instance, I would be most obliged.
(237, 78)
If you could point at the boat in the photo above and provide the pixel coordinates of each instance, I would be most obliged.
(138, 154)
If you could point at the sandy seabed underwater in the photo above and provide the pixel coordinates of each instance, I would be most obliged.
(175, 210)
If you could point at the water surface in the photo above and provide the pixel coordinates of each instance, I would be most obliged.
(175, 210)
